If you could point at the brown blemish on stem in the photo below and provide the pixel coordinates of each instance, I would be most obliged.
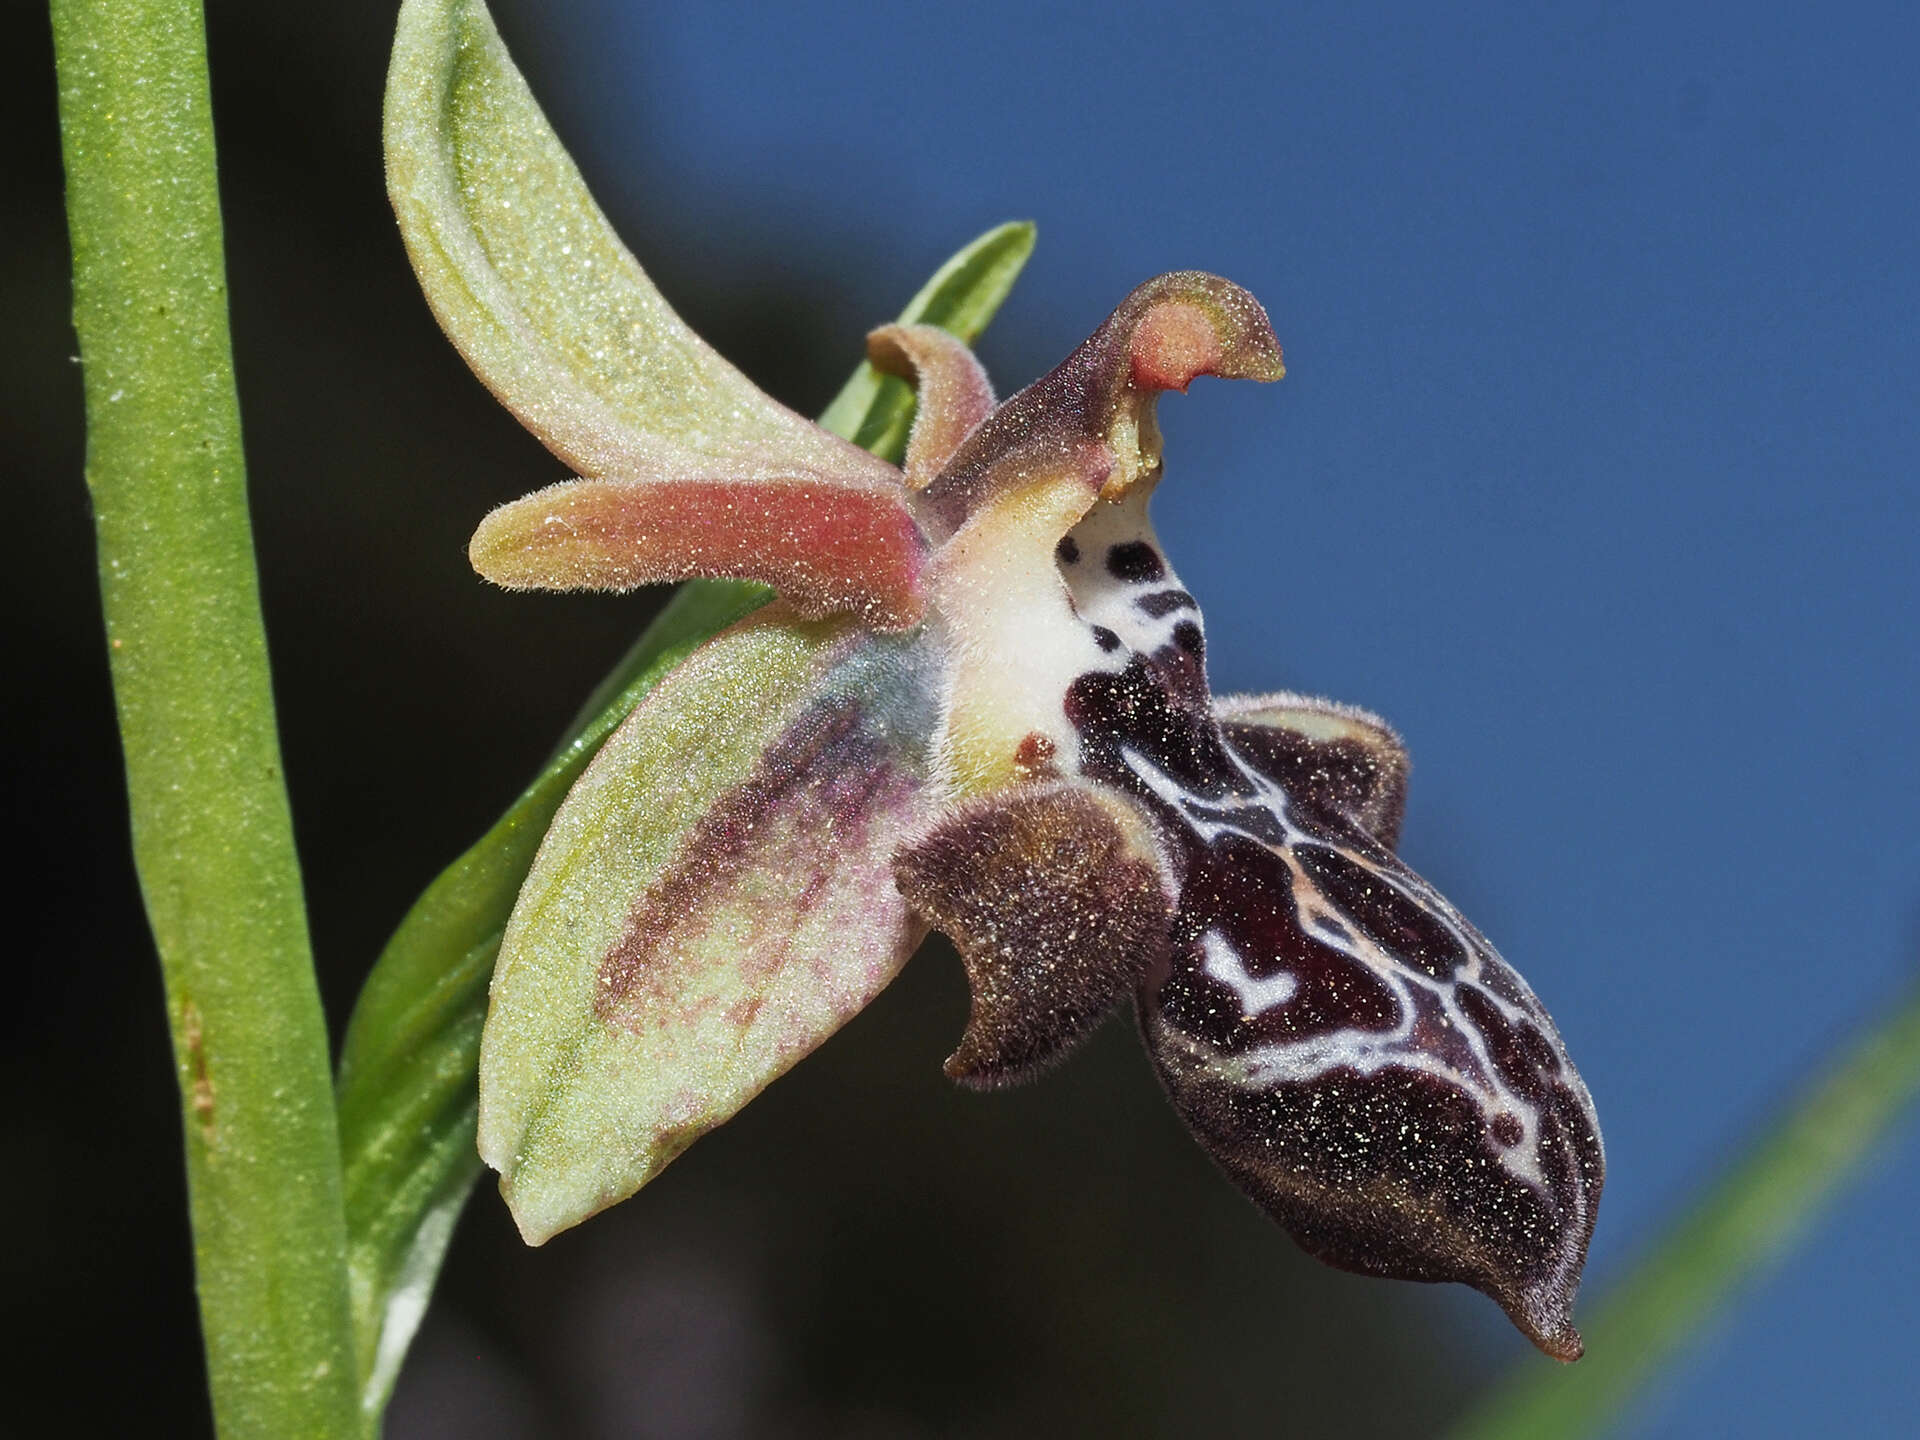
(200, 1085)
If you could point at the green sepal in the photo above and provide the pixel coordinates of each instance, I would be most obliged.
(714, 899)
(406, 1085)
(530, 281)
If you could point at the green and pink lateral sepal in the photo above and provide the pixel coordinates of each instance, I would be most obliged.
(978, 705)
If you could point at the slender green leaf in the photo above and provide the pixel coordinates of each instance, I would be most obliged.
(212, 835)
(1747, 1219)
(406, 1085)
(876, 411)
(407, 1073)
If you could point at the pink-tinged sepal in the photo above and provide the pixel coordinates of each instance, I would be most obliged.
(825, 547)
(1053, 894)
(714, 899)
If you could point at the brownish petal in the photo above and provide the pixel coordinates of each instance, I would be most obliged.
(1057, 908)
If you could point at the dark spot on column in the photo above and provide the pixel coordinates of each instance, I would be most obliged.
(1034, 755)
(1067, 551)
(1188, 637)
(1165, 602)
(1135, 560)
(1105, 638)
(1507, 1129)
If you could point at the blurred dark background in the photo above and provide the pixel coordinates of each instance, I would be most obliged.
(1608, 456)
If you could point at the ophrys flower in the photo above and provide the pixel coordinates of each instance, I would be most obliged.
(978, 705)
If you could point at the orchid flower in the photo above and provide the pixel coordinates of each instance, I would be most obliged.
(979, 705)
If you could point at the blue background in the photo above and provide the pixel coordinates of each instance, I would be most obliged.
(1593, 471)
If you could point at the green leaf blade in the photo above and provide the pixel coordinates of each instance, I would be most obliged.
(1749, 1217)
(875, 411)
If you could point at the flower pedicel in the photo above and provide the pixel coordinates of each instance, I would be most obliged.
(978, 705)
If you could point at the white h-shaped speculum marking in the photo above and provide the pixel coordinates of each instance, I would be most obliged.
(1257, 993)
(1364, 1052)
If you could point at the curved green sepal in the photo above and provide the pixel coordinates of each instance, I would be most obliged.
(406, 1087)
(532, 284)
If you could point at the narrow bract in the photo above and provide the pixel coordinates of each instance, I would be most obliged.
(980, 705)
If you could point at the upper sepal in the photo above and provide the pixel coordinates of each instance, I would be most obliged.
(550, 309)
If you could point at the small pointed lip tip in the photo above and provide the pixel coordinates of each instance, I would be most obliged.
(1548, 1323)
(1561, 1341)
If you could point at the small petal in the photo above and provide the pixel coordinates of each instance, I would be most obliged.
(952, 391)
(1054, 897)
(826, 547)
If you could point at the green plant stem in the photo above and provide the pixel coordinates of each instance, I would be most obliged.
(1748, 1218)
(212, 835)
